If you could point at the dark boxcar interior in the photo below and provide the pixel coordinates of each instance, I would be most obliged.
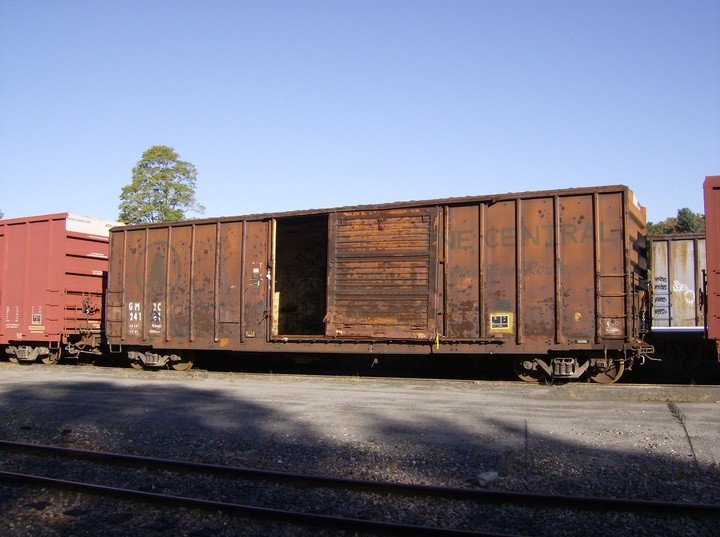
(300, 279)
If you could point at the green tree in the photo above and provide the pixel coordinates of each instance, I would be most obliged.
(690, 222)
(686, 221)
(162, 188)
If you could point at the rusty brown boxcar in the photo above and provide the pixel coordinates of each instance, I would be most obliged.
(712, 233)
(556, 279)
(51, 285)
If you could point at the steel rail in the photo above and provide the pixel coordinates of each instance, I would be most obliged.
(249, 511)
(585, 503)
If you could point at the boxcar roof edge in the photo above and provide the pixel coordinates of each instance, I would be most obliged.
(490, 198)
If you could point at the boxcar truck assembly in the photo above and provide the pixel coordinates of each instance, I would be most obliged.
(712, 235)
(557, 280)
(51, 285)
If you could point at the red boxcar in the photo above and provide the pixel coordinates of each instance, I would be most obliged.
(557, 278)
(712, 234)
(52, 270)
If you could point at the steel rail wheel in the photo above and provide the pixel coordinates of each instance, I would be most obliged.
(52, 358)
(184, 365)
(527, 369)
(609, 374)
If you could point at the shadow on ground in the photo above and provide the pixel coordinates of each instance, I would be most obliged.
(187, 420)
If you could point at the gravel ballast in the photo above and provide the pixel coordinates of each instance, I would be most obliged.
(654, 443)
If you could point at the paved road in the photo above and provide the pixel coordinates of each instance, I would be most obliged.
(613, 420)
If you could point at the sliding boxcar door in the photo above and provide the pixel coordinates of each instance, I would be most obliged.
(382, 274)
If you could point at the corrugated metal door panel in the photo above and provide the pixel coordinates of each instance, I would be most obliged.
(382, 274)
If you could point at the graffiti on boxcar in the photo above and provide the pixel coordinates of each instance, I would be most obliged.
(660, 283)
(688, 294)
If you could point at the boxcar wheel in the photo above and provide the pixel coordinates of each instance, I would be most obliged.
(527, 369)
(609, 374)
(182, 366)
(52, 358)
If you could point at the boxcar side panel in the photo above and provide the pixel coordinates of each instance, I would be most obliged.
(189, 286)
(256, 274)
(204, 281)
(86, 263)
(3, 288)
(712, 234)
(32, 300)
(678, 263)
(612, 274)
(230, 247)
(567, 277)
(499, 270)
(537, 312)
(576, 270)
(114, 294)
(661, 286)
(462, 273)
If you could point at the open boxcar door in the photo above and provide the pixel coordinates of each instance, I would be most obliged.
(383, 274)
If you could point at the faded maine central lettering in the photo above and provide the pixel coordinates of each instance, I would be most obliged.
(539, 235)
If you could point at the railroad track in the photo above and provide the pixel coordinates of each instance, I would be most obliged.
(315, 520)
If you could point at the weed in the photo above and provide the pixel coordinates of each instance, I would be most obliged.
(680, 417)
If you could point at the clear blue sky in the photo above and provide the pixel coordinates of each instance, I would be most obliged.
(285, 105)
